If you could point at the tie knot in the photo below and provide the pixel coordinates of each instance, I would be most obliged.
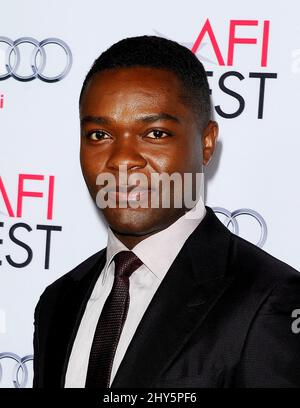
(126, 262)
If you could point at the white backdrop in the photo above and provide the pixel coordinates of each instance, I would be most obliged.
(256, 165)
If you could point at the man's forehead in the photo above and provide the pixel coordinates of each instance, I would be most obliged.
(142, 100)
(149, 81)
(134, 71)
(145, 118)
(113, 91)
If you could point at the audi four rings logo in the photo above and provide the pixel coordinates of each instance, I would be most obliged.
(19, 374)
(231, 218)
(11, 69)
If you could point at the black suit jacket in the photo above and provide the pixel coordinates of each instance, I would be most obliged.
(221, 317)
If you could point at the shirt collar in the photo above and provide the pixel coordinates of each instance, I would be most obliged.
(159, 250)
(114, 245)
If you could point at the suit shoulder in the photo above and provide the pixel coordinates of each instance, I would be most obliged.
(75, 273)
(253, 260)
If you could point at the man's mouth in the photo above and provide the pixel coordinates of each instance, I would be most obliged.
(132, 193)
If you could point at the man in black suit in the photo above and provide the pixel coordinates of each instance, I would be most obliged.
(205, 308)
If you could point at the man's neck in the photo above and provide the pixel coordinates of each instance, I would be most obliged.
(130, 240)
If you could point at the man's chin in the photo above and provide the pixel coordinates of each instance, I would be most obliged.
(134, 221)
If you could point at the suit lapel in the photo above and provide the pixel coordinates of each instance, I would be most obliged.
(74, 302)
(193, 284)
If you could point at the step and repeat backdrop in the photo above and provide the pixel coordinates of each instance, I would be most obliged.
(48, 223)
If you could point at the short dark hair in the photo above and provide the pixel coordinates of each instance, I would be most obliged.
(159, 52)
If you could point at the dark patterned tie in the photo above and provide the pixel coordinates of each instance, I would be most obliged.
(111, 322)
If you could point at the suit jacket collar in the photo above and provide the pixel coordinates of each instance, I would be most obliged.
(193, 284)
(71, 308)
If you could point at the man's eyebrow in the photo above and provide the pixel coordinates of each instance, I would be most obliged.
(103, 120)
(158, 116)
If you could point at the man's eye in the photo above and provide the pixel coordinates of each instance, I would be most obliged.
(157, 134)
(97, 135)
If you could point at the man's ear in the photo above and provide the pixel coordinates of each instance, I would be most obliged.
(209, 139)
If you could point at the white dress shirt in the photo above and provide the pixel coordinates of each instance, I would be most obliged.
(157, 252)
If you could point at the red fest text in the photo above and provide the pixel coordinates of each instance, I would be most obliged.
(16, 211)
(229, 58)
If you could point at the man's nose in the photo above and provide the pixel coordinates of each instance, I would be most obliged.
(125, 153)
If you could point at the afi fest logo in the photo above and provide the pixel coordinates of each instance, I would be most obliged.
(14, 209)
(237, 36)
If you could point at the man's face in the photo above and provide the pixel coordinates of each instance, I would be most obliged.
(134, 117)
